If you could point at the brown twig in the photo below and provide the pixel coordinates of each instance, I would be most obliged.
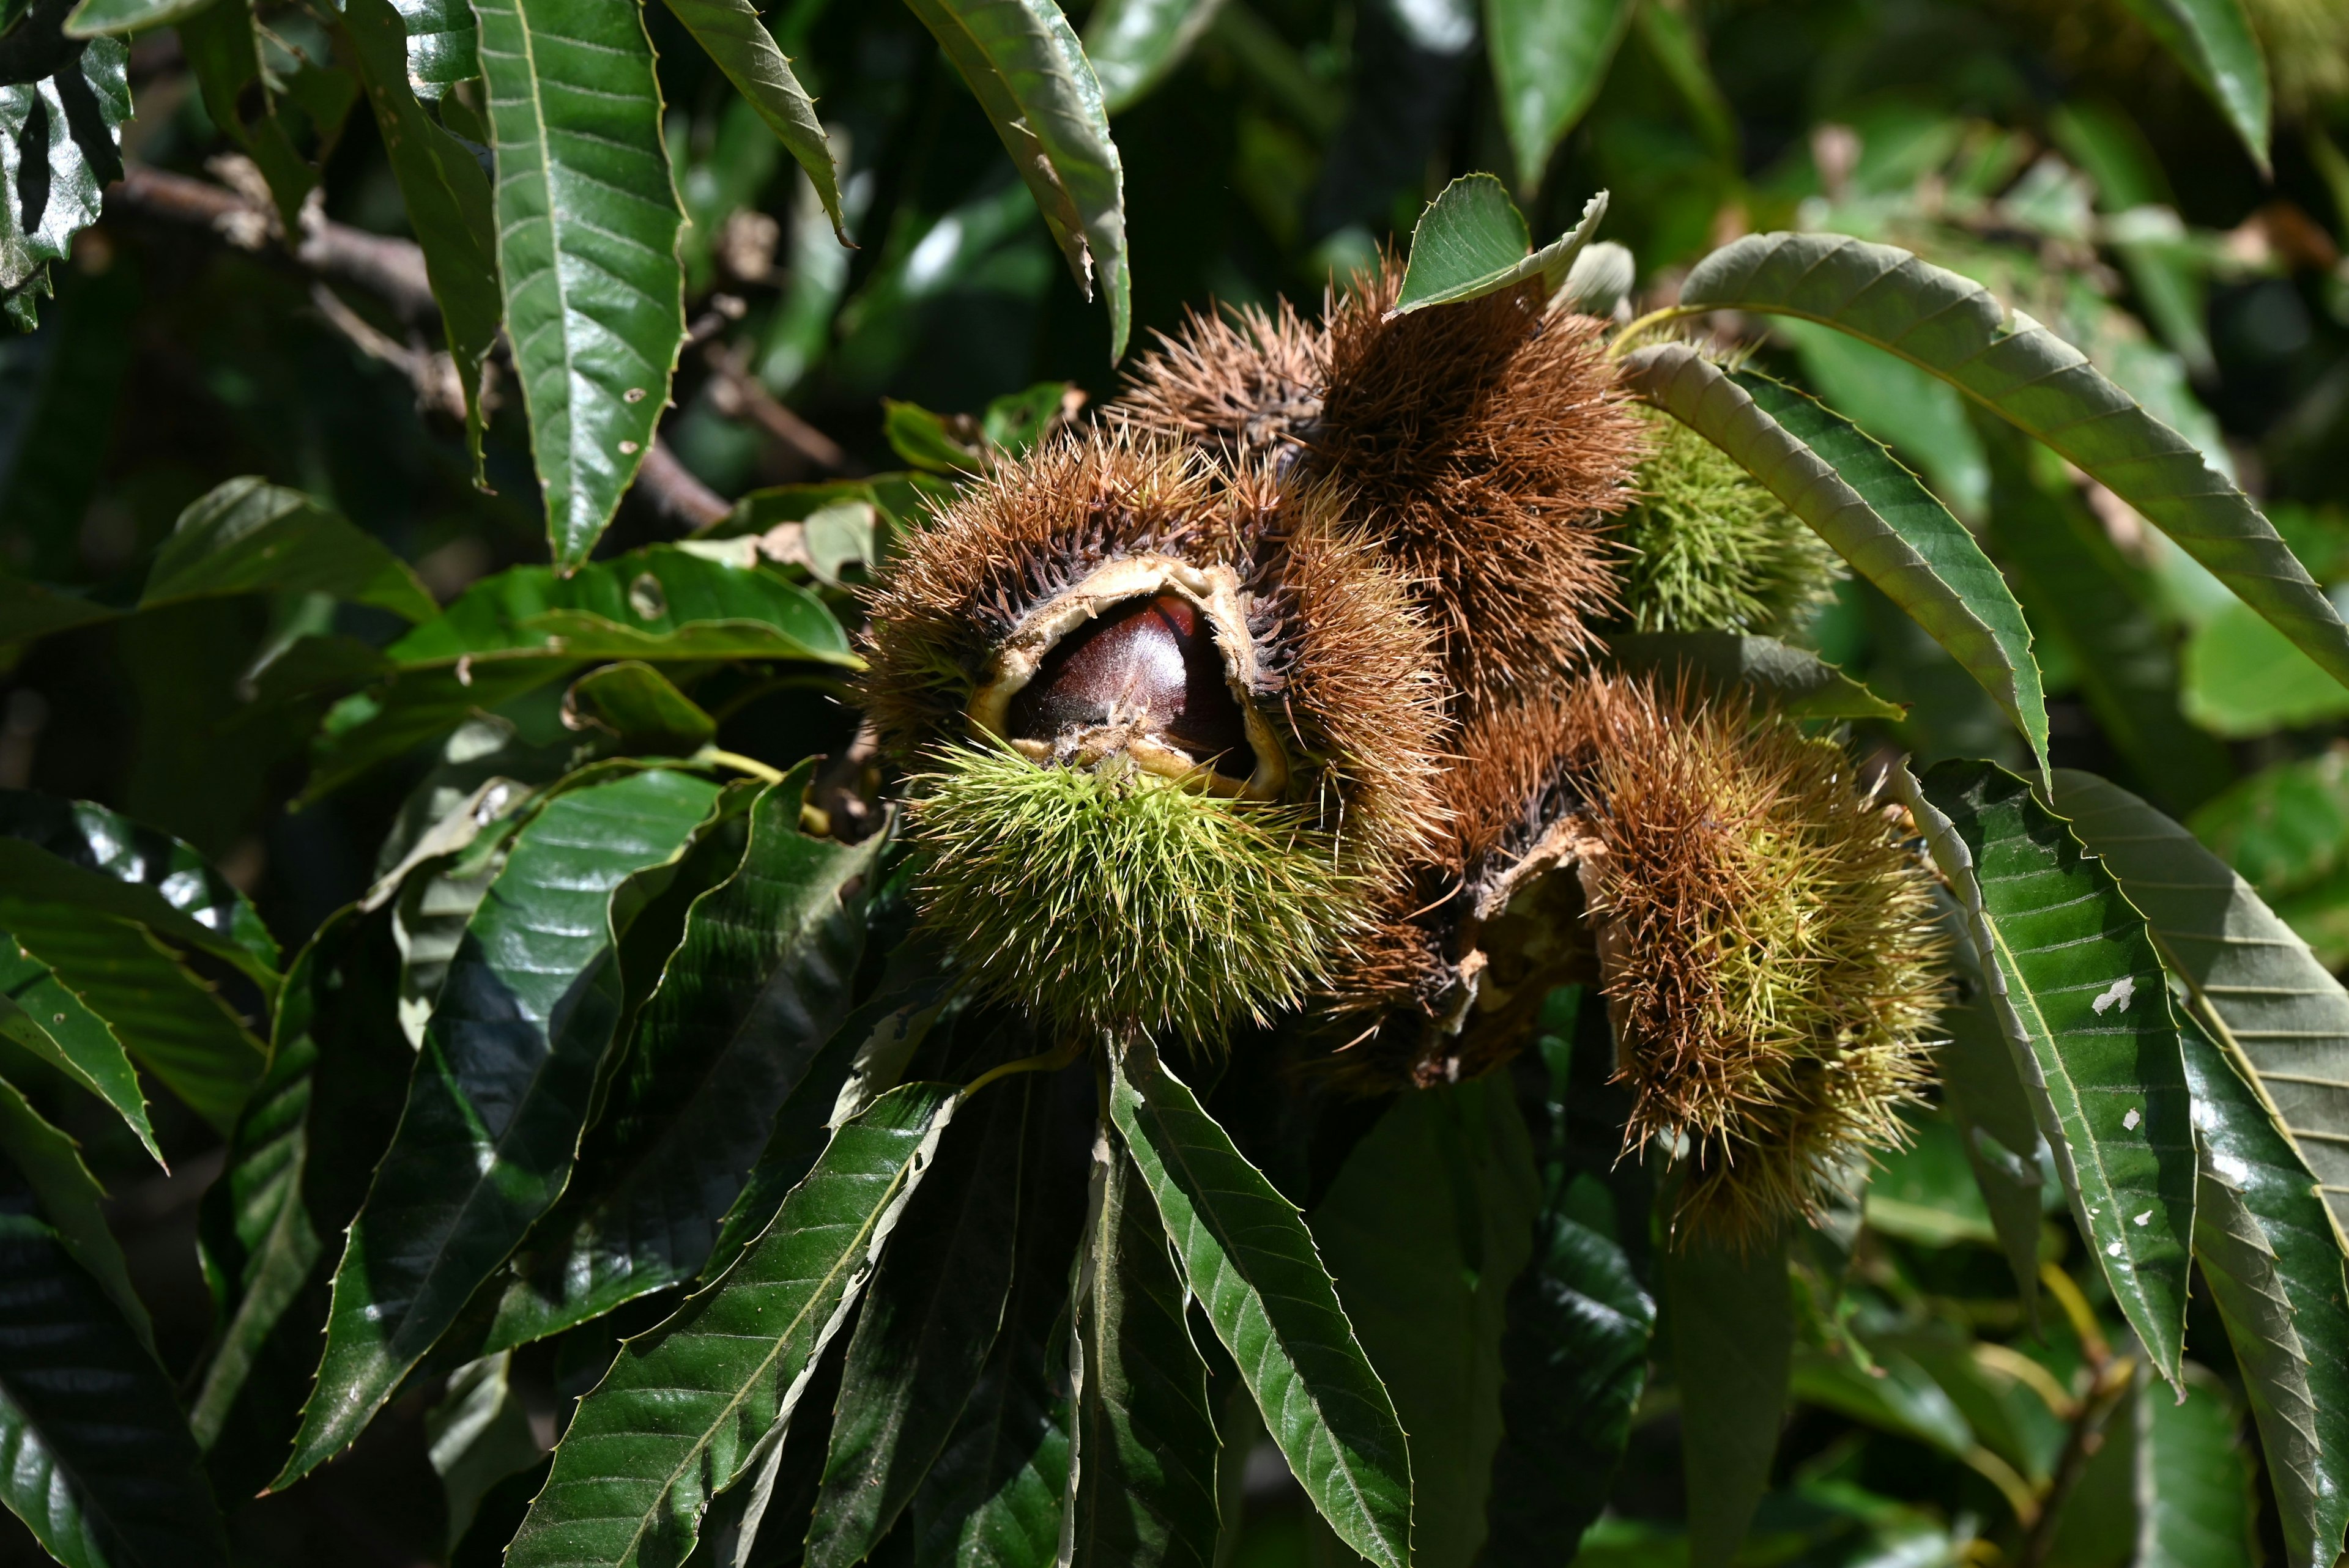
(239, 210)
(740, 395)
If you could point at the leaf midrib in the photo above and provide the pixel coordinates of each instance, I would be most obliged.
(1340, 1457)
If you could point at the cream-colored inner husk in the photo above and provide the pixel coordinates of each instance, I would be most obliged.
(1216, 591)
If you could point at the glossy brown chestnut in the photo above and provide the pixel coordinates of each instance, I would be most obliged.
(1155, 660)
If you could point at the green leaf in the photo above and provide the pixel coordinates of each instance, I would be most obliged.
(993, 1497)
(742, 47)
(101, 18)
(1985, 1097)
(178, 894)
(173, 1024)
(2243, 677)
(1925, 1191)
(2028, 376)
(28, 611)
(1143, 1448)
(414, 706)
(640, 709)
(1733, 1341)
(1895, 1395)
(71, 1201)
(929, 1320)
(1426, 1230)
(2194, 1481)
(447, 196)
(2079, 992)
(298, 1163)
(2214, 41)
(1870, 509)
(443, 44)
(249, 536)
(501, 1091)
(1471, 242)
(758, 984)
(1251, 1262)
(2285, 828)
(1549, 58)
(588, 224)
(1574, 1358)
(100, 1465)
(1134, 45)
(1920, 417)
(222, 47)
(658, 603)
(2275, 1006)
(1794, 681)
(1023, 63)
(62, 107)
(45, 1016)
(2080, 590)
(683, 1411)
(2271, 1256)
(478, 1435)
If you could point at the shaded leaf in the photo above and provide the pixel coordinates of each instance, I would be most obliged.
(443, 44)
(1796, 681)
(71, 1201)
(1142, 1445)
(99, 1464)
(924, 1331)
(1023, 63)
(993, 1497)
(1549, 58)
(743, 49)
(1575, 1359)
(1134, 45)
(43, 1015)
(2214, 41)
(758, 984)
(1425, 1231)
(501, 1091)
(2272, 1261)
(2081, 591)
(588, 224)
(298, 1162)
(2024, 372)
(684, 1409)
(1870, 509)
(441, 186)
(477, 1436)
(1251, 1262)
(2256, 983)
(639, 708)
(1985, 1097)
(2242, 678)
(2194, 1481)
(1472, 242)
(1733, 1337)
(96, 18)
(2078, 990)
(249, 536)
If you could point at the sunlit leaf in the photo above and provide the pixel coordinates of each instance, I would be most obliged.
(1794, 681)
(587, 221)
(1960, 331)
(1472, 242)
(1023, 63)
(2214, 41)
(1252, 1264)
(2080, 993)
(683, 1411)
(63, 103)
(1871, 510)
(1549, 58)
(743, 49)
(1135, 44)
